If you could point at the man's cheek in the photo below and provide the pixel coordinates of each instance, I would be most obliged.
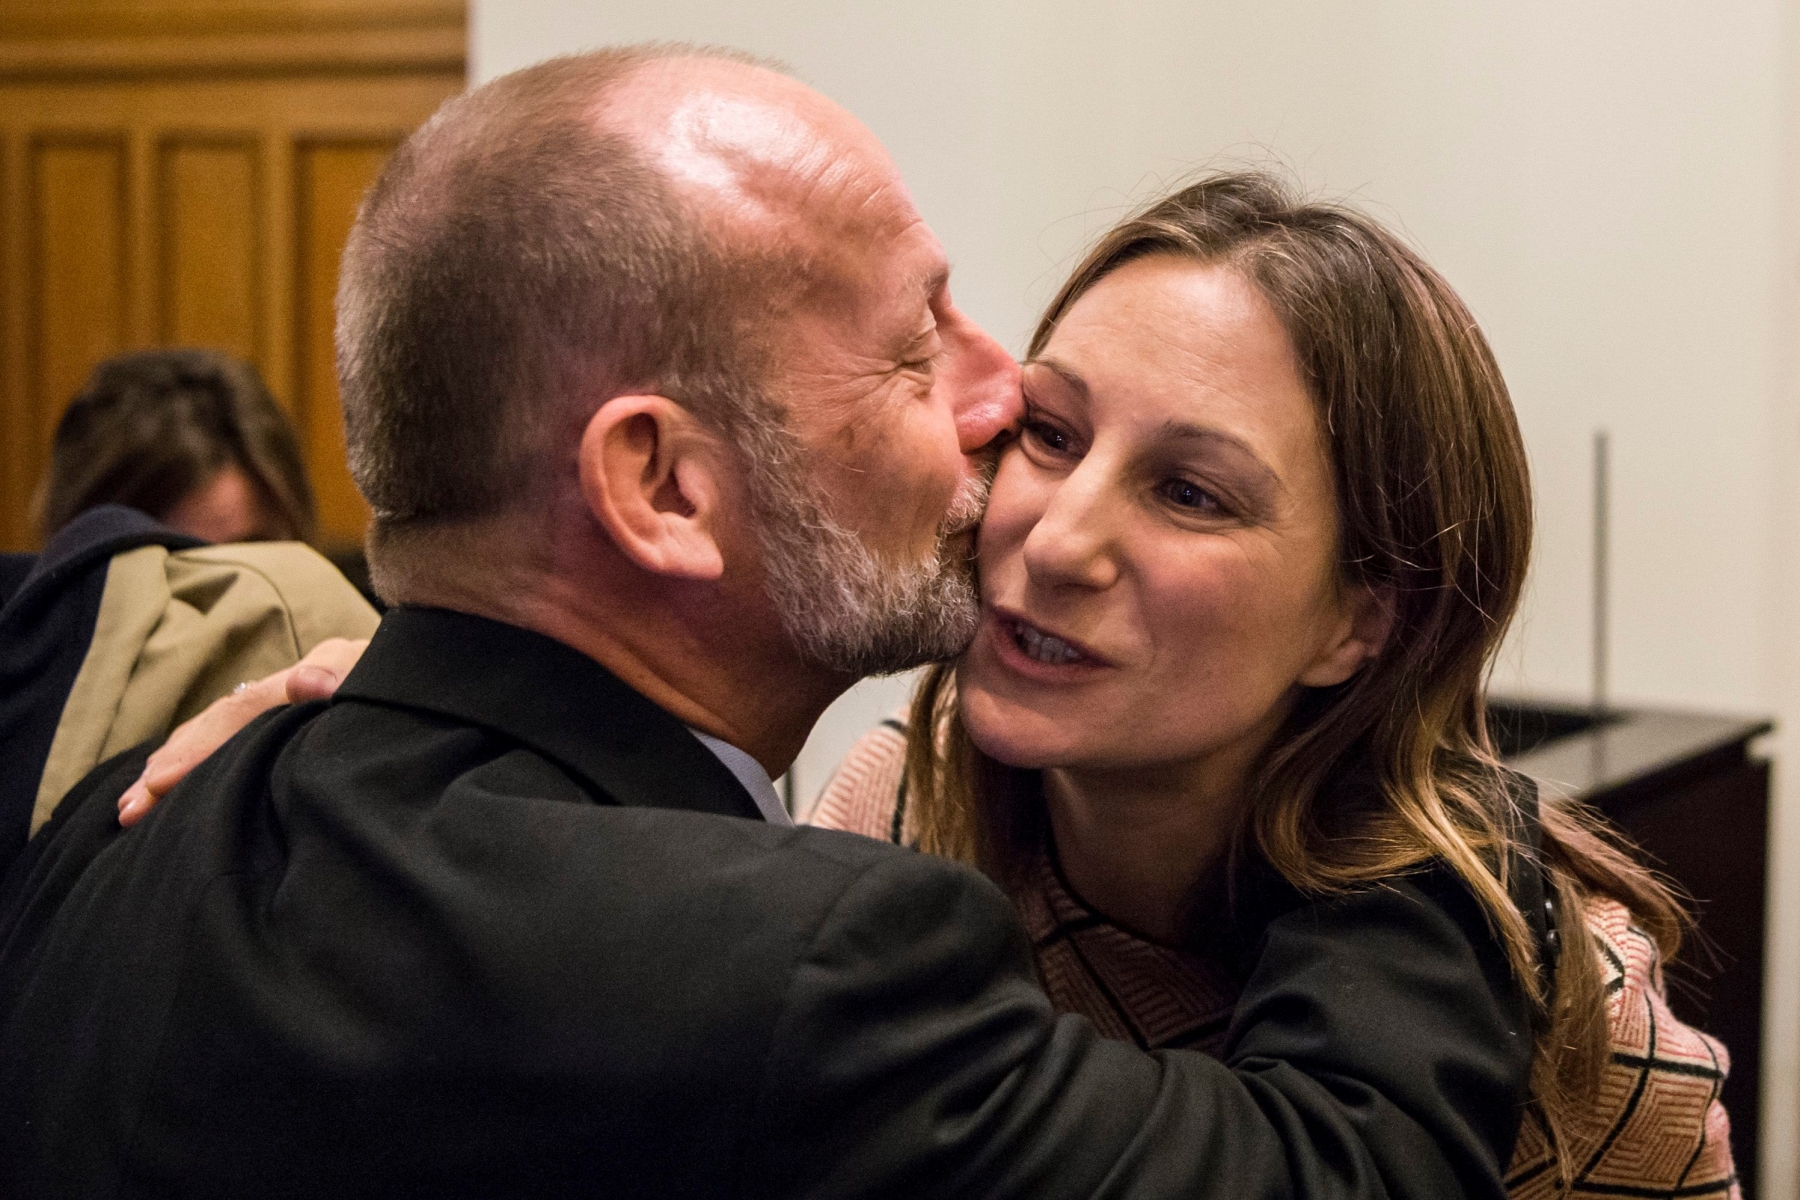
(920, 471)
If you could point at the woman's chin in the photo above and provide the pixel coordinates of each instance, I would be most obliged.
(1014, 736)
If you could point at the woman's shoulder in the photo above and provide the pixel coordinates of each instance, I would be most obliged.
(867, 792)
(1646, 1033)
(1656, 1121)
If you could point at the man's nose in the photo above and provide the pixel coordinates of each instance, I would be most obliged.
(988, 400)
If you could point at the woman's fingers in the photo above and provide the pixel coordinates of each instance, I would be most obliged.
(196, 738)
(315, 677)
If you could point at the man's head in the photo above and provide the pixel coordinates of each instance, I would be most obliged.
(561, 247)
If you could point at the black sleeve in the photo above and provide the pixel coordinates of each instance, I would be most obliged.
(1375, 1055)
(1391, 1015)
(38, 879)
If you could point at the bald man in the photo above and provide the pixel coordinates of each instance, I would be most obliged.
(671, 432)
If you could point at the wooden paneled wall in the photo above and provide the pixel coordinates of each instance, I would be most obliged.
(185, 174)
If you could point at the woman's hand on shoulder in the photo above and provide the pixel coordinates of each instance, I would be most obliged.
(315, 677)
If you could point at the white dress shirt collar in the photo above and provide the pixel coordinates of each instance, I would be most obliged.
(750, 773)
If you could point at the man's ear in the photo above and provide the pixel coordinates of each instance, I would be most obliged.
(650, 475)
(1365, 622)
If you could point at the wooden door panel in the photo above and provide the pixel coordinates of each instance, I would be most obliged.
(185, 172)
(210, 232)
(331, 177)
(78, 249)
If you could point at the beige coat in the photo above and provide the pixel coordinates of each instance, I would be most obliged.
(177, 630)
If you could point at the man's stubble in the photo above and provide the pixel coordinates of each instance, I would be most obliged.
(843, 606)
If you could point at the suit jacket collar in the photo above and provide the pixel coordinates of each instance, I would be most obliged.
(549, 697)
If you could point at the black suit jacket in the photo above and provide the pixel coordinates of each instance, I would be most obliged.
(492, 924)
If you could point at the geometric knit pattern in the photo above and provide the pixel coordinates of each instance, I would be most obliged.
(860, 795)
(1657, 1128)
(1131, 988)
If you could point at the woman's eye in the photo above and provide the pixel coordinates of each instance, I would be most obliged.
(1047, 436)
(1184, 494)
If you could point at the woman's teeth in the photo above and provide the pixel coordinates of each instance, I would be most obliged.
(1042, 647)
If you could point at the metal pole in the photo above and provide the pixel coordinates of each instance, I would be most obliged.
(1602, 554)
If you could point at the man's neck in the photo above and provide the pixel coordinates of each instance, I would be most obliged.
(756, 702)
(682, 652)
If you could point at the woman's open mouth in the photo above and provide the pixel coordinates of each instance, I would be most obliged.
(1043, 647)
(1039, 645)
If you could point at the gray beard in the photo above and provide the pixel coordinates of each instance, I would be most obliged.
(842, 606)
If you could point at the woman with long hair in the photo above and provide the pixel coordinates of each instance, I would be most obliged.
(1243, 575)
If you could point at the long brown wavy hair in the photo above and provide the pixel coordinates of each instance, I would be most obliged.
(1434, 509)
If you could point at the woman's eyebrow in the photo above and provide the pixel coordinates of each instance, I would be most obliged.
(1067, 374)
(1181, 431)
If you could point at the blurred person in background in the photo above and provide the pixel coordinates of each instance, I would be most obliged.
(189, 437)
(128, 621)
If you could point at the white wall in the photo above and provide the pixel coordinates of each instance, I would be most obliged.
(1611, 185)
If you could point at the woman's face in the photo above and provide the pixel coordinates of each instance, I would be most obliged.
(228, 507)
(1158, 560)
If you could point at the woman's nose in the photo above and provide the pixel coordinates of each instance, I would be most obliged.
(1073, 543)
(987, 399)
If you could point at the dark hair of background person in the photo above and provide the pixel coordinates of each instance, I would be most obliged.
(1434, 507)
(514, 266)
(151, 428)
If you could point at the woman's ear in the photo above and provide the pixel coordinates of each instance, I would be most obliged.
(650, 475)
(1365, 622)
